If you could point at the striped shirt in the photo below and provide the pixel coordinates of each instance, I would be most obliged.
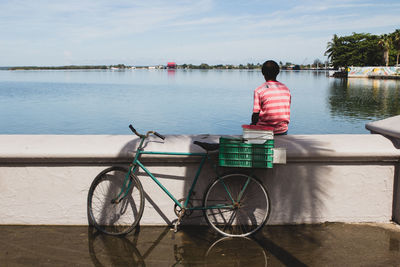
(272, 100)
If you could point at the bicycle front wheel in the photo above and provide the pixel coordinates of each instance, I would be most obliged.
(108, 215)
(236, 205)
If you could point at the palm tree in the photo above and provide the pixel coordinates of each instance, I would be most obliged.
(385, 42)
(396, 43)
(331, 47)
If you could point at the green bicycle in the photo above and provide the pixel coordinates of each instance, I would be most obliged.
(234, 204)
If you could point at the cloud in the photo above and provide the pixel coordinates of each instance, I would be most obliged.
(203, 30)
(91, 19)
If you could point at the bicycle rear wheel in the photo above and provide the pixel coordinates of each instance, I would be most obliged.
(236, 205)
(104, 213)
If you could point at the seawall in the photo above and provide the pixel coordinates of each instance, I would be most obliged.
(44, 179)
(374, 72)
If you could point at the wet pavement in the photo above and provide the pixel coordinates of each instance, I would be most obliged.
(331, 244)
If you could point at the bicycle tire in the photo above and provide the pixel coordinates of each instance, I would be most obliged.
(236, 217)
(114, 218)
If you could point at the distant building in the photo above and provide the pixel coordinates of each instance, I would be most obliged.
(171, 65)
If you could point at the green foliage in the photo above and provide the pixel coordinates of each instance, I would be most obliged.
(119, 66)
(395, 52)
(204, 66)
(71, 67)
(364, 49)
(385, 42)
(358, 49)
(251, 66)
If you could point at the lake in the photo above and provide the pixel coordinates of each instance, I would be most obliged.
(183, 101)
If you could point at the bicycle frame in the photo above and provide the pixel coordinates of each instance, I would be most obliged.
(136, 164)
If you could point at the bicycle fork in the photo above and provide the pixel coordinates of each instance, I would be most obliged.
(132, 169)
(126, 186)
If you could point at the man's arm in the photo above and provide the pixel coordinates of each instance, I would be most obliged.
(256, 108)
(254, 118)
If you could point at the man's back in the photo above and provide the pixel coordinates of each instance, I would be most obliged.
(272, 101)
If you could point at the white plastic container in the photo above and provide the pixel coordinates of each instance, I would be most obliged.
(253, 136)
(279, 155)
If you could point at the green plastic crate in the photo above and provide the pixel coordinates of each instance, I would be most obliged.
(236, 153)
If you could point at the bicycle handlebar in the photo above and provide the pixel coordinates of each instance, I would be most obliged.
(132, 129)
(148, 133)
(159, 135)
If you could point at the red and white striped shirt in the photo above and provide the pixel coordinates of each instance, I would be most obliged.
(272, 99)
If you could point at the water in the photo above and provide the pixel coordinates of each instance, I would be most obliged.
(329, 244)
(183, 101)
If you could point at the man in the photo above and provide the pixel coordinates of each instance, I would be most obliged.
(271, 109)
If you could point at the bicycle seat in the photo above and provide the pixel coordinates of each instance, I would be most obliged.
(207, 146)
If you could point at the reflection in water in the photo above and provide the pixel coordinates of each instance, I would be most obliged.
(160, 246)
(329, 244)
(235, 250)
(106, 250)
(171, 73)
(364, 98)
(301, 245)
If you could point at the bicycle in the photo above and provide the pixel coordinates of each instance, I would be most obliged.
(234, 204)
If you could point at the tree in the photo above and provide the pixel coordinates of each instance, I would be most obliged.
(332, 47)
(396, 44)
(251, 66)
(204, 66)
(317, 63)
(358, 49)
(385, 42)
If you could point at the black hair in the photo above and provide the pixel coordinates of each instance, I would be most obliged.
(270, 69)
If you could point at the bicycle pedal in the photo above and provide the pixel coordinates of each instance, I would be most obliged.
(176, 227)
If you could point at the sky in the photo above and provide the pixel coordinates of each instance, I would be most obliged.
(152, 32)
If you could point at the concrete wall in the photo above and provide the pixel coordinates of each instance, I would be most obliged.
(373, 71)
(396, 197)
(44, 179)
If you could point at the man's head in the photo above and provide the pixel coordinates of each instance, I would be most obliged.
(270, 69)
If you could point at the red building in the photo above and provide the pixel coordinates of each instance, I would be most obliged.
(171, 65)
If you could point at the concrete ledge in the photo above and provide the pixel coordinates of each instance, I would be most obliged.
(121, 148)
(44, 179)
(389, 128)
(338, 148)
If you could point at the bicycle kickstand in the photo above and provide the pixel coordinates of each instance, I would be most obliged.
(180, 216)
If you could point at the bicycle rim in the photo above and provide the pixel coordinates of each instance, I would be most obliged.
(106, 215)
(244, 205)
